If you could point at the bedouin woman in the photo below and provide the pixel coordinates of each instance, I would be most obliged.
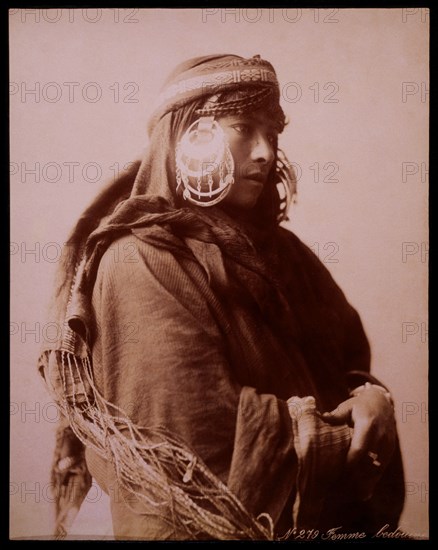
(213, 378)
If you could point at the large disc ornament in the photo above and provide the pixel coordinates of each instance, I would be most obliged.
(204, 164)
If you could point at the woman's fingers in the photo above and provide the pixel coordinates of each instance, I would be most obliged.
(362, 465)
(361, 441)
(372, 440)
(340, 415)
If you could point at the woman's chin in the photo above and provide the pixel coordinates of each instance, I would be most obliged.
(243, 198)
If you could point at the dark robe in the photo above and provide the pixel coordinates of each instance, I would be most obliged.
(182, 344)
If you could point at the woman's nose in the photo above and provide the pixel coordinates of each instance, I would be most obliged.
(262, 149)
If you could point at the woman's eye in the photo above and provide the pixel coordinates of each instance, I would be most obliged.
(241, 128)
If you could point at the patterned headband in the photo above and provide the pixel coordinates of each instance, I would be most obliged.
(206, 76)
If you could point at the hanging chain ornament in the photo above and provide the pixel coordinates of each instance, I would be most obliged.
(204, 164)
(205, 167)
(286, 184)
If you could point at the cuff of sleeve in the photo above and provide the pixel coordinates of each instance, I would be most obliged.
(367, 385)
(357, 378)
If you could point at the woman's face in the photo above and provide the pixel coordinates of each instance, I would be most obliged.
(252, 139)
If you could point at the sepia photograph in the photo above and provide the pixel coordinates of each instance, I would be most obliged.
(219, 248)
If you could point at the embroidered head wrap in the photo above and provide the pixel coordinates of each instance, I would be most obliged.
(216, 75)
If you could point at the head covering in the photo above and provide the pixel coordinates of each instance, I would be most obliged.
(202, 77)
(214, 85)
(146, 196)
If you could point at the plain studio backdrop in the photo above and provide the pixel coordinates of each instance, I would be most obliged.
(355, 88)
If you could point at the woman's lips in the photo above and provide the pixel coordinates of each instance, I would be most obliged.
(258, 177)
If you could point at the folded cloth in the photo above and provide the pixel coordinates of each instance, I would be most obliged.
(321, 450)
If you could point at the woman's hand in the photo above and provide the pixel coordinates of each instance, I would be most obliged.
(370, 414)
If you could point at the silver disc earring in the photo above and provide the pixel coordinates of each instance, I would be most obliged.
(204, 163)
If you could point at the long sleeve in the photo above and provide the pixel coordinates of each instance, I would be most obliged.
(160, 355)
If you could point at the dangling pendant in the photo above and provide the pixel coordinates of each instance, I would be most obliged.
(286, 184)
(178, 177)
(204, 163)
